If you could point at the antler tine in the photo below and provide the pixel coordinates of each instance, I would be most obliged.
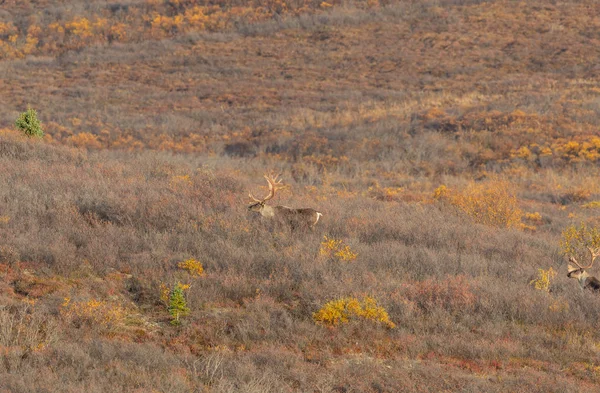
(273, 179)
(573, 260)
(273, 183)
(254, 199)
(269, 195)
(594, 252)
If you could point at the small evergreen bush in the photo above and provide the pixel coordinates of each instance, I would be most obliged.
(28, 124)
(177, 304)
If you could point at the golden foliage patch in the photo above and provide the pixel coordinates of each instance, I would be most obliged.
(343, 310)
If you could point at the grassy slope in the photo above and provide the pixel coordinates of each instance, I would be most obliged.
(410, 96)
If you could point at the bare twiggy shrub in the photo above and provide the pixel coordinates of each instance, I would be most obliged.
(452, 293)
(27, 328)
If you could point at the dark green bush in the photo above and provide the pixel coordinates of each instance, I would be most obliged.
(28, 123)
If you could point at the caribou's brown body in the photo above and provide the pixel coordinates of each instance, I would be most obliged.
(585, 280)
(303, 218)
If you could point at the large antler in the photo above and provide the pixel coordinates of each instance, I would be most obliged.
(254, 199)
(594, 253)
(273, 185)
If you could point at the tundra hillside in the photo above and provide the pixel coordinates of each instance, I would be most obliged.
(448, 144)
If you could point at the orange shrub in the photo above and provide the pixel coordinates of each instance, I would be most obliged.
(93, 312)
(491, 203)
(86, 140)
(193, 266)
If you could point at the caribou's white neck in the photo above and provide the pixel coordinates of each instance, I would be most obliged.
(582, 279)
(267, 211)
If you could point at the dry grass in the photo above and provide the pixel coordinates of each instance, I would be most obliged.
(153, 141)
(78, 219)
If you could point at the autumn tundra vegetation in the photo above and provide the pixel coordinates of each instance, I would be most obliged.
(451, 147)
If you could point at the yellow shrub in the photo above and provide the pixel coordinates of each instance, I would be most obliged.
(334, 248)
(440, 192)
(576, 241)
(196, 17)
(342, 310)
(523, 152)
(31, 44)
(118, 31)
(385, 193)
(193, 266)
(545, 151)
(80, 27)
(591, 205)
(542, 283)
(536, 217)
(164, 292)
(587, 150)
(7, 29)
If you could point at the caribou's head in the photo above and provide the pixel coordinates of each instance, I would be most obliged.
(574, 272)
(578, 271)
(258, 205)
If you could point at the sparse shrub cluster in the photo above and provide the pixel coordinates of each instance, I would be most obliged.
(336, 249)
(25, 328)
(385, 193)
(544, 279)
(454, 294)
